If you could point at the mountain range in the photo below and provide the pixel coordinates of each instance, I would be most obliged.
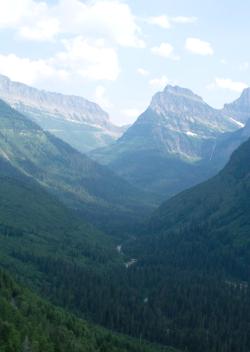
(77, 121)
(91, 252)
(179, 141)
(173, 145)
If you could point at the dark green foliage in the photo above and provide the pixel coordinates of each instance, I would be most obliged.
(29, 324)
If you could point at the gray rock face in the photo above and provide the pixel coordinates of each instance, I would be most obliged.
(178, 122)
(81, 123)
(240, 109)
(187, 113)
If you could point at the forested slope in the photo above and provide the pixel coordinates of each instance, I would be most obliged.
(28, 323)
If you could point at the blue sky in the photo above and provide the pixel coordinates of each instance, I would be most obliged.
(119, 53)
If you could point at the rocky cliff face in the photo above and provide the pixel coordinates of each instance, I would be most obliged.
(81, 123)
(178, 122)
(187, 113)
(239, 110)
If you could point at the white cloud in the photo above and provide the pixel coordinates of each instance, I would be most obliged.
(13, 11)
(29, 71)
(30, 19)
(198, 46)
(142, 72)
(111, 20)
(101, 98)
(165, 50)
(184, 19)
(43, 30)
(90, 60)
(159, 83)
(166, 22)
(161, 21)
(227, 83)
(91, 32)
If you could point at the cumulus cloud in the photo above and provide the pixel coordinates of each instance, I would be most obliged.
(198, 46)
(90, 33)
(229, 84)
(161, 21)
(79, 57)
(43, 30)
(30, 19)
(166, 22)
(29, 71)
(112, 20)
(92, 60)
(13, 11)
(159, 83)
(165, 50)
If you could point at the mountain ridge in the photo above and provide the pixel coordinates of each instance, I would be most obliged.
(83, 124)
(172, 145)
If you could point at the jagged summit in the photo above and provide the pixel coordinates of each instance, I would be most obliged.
(182, 92)
(175, 94)
(240, 108)
(186, 112)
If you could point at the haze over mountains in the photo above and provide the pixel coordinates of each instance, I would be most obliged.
(77, 121)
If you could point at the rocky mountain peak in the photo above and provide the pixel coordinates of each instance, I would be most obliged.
(183, 111)
(177, 99)
(239, 110)
(182, 92)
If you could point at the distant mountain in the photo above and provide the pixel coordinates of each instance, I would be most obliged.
(77, 121)
(165, 149)
(240, 109)
(89, 188)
